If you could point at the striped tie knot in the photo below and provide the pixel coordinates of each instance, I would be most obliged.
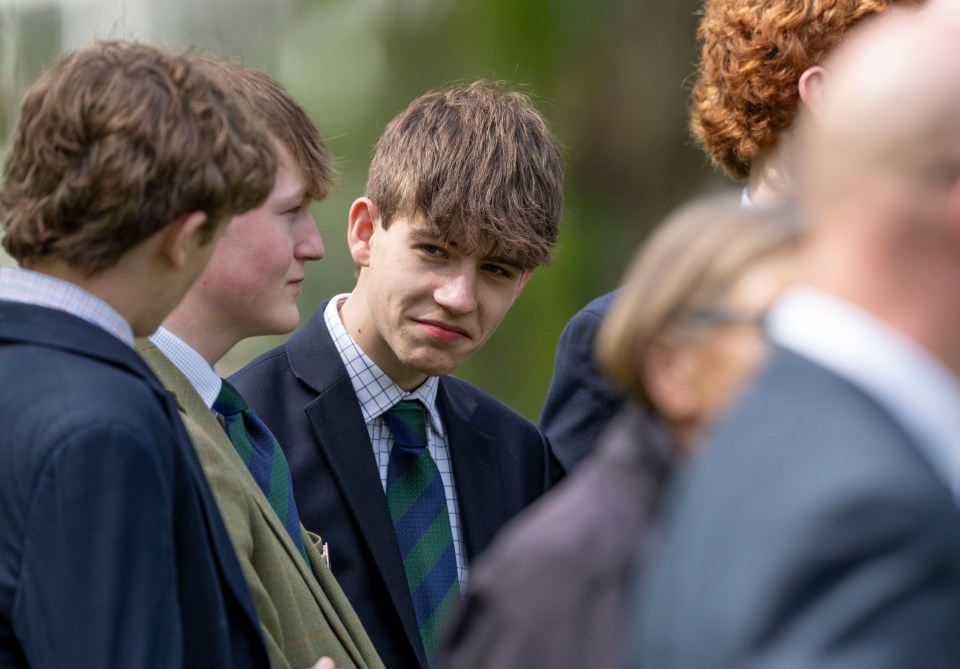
(418, 507)
(229, 402)
(407, 422)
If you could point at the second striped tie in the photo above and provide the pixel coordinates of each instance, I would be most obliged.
(418, 507)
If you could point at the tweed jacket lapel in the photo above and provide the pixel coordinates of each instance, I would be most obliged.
(217, 454)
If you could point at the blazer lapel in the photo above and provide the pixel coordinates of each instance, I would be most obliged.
(341, 433)
(476, 468)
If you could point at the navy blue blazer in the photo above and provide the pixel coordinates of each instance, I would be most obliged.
(112, 551)
(303, 393)
(812, 532)
(580, 402)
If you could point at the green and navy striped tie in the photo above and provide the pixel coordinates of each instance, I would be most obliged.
(418, 507)
(262, 455)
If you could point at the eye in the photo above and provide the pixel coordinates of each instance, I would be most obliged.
(431, 250)
(498, 270)
(297, 208)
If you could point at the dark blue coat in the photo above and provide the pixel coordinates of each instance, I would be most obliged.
(112, 551)
(580, 402)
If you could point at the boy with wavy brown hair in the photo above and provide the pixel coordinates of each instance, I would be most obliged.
(125, 164)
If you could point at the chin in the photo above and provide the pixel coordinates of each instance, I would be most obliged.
(432, 367)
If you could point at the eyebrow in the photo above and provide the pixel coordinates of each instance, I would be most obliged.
(429, 235)
(293, 197)
(505, 261)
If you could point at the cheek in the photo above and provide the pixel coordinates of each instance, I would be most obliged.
(493, 307)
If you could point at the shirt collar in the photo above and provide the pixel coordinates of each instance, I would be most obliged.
(375, 390)
(920, 392)
(29, 287)
(204, 378)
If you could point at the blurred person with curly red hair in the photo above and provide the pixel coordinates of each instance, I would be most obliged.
(760, 61)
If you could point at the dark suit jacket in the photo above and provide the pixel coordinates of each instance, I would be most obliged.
(552, 590)
(580, 402)
(813, 533)
(112, 552)
(500, 464)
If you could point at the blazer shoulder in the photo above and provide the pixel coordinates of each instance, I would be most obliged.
(268, 363)
(484, 406)
(596, 309)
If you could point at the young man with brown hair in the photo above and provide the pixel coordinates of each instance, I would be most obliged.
(125, 163)
(250, 288)
(406, 471)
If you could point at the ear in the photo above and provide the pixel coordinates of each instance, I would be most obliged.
(813, 89)
(363, 223)
(184, 236)
(669, 375)
(524, 277)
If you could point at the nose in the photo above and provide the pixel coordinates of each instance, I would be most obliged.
(307, 242)
(457, 292)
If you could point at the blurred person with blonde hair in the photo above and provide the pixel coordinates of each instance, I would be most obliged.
(821, 527)
(681, 339)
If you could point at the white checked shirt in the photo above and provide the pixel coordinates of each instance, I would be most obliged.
(23, 285)
(204, 378)
(377, 393)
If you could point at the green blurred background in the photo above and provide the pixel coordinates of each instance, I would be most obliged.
(611, 76)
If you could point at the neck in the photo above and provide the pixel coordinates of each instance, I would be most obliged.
(208, 339)
(120, 286)
(773, 175)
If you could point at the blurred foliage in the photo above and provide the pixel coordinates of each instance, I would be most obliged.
(610, 76)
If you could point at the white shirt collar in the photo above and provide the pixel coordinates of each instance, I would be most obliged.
(375, 390)
(191, 364)
(920, 392)
(28, 287)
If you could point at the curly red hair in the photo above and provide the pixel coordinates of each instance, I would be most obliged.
(753, 53)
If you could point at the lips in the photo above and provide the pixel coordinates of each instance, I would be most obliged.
(444, 331)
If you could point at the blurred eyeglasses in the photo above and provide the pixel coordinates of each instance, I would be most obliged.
(720, 316)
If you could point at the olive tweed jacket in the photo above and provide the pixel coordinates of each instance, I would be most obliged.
(303, 612)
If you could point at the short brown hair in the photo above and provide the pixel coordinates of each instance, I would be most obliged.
(691, 260)
(752, 55)
(480, 164)
(117, 140)
(284, 117)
